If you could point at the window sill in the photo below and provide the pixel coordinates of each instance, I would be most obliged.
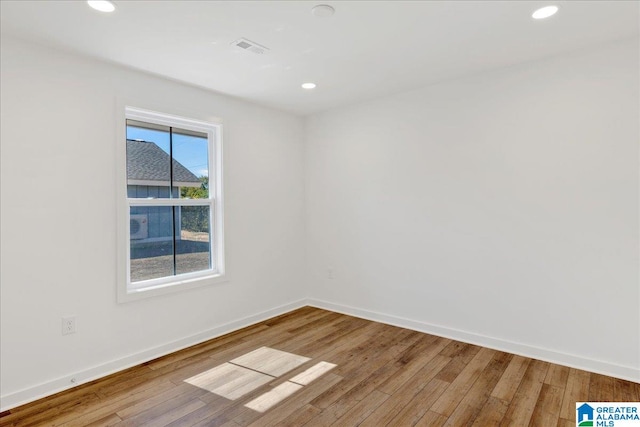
(129, 295)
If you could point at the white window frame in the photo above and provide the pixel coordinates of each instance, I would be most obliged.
(127, 290)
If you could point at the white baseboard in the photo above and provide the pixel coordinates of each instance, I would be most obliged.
(48, 388)
(605, 368)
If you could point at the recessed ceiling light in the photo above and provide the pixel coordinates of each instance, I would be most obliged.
(323, 10)
(102, 5)
(308, 85)
(544, 12)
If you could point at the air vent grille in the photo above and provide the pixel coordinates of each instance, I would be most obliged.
(250, 46)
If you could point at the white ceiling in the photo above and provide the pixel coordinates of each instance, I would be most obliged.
(366, 50)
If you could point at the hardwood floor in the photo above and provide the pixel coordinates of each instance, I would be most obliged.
(384, 375)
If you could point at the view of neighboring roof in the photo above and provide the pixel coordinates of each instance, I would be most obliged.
(148, 163)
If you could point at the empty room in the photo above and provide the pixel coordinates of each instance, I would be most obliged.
(331, 213)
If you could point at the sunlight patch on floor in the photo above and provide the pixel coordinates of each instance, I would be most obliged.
(247, 373)
(229, 381)
(316, 371)
(270, 398)
(270, 361)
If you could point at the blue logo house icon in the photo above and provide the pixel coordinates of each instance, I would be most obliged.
(585, 415)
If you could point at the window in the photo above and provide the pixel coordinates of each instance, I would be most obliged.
(173, 217)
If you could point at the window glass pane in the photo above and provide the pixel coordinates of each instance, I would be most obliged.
(148, 161)
(151, 242)
(193, 250)
(191, 163)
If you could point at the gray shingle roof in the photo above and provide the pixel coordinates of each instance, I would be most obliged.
(148, 162)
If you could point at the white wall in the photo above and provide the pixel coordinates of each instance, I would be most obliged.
(59, 221)
(500, 209)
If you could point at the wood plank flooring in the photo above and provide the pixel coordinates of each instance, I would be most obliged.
(384, 376)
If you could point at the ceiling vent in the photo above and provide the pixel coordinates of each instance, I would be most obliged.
(250, 46)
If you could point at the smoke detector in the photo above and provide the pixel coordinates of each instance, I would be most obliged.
(250, 46)
(323, 10)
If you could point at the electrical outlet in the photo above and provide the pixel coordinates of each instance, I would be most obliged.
(68, 325)
(330, 273)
